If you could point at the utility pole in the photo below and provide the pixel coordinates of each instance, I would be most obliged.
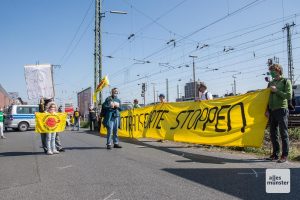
(98, 51)
(167, 86)
(234, 85)
(153, 92)
(98, 47)
(289, 49)
(177, 91)
(194, 76)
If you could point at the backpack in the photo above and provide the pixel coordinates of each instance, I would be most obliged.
(291, 102)
(103, 111)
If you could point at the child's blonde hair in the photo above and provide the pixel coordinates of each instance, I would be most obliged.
(51, 104)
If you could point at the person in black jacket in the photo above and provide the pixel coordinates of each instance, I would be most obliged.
(92, 119)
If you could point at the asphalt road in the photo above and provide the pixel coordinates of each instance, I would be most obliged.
(142, 169)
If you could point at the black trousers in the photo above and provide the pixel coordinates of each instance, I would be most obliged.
(279, 118)
(93, 124)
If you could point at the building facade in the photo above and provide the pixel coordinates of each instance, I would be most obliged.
(189, 90)
(4, 98)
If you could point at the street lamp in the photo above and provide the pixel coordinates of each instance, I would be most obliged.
(98, 48)
(194, 76)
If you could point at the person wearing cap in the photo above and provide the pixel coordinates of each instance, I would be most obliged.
(136, 103)
(281, 92)
(162, 98)
(203, 93)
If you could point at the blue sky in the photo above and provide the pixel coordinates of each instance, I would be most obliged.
(43, 31)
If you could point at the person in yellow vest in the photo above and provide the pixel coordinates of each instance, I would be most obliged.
(76, 115)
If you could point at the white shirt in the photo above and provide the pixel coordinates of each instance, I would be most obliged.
(202, 96)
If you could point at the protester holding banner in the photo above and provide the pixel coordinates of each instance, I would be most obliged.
(42, 108)
(50, 137)
(281, 92)
(203, 93)
(162, 98)
(136, 103)
(111, 120)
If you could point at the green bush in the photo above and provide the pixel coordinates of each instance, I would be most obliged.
(294, 134)
(84, 124)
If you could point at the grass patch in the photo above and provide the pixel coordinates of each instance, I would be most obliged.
(84, 124)
(266, 149)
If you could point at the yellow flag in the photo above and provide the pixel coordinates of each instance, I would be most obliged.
(50, 123)
(103, 83)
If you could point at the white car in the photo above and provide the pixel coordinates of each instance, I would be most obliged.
(20, 117)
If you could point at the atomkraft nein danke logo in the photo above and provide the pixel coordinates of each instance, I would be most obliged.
(278, 181)
(50, 122)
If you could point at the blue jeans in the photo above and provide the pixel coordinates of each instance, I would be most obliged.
(50, 139)
(279, 118)
(76, 124)
(112, 129)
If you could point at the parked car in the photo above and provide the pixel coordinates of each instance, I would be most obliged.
(20, 117)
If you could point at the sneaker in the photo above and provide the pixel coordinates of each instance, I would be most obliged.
(117, 146)
(61, 150)
(3, 137)
(272, 158)
(49, 153)
(56, 152)
(108, 146)
(282, 159)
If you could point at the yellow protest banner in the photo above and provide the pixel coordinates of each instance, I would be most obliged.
(232, 121)
(50, 123)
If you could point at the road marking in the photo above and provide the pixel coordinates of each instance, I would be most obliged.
(138, 146)
(106, 198)
(65, 167)
(255, 173)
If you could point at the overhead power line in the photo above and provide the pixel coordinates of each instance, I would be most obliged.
(77, 31)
